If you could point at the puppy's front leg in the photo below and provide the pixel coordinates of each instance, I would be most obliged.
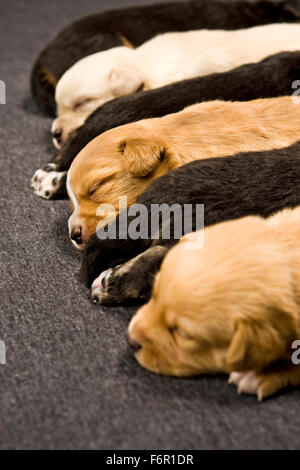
(131, 281)
(268, 382)
(49, 182)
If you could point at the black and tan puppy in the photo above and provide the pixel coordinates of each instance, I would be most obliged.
(269, 78)
(135, 25)
(230, 188)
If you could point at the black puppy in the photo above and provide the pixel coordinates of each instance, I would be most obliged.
(230, 188)
(136, 25)
(271, 77)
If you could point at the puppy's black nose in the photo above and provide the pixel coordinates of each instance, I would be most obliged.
(57, 135)
(76, 236)
(135, 346)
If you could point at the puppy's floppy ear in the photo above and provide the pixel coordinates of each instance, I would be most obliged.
(125, 81)
(142, 154)
(259, 342)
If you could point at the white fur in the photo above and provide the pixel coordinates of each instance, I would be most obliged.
(71, 193)
(97, 289)
(246, 382)
(73, 219)
(42, 181)
(166, 58)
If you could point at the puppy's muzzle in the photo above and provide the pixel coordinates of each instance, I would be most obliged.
(135, 346)
(76, 236)
(57, 136)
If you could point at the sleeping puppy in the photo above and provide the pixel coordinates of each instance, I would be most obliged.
(165, 59)
(231, 306)
(124, 161)
(271, 77)
(258, 183)
(135, 25)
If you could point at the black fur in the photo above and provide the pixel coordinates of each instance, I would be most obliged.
(139, 24)
(230, 188)
(269, 78)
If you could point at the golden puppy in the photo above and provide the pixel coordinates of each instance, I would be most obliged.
(125, 160)
(230, 306)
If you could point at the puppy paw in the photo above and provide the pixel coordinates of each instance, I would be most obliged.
(129, 282)
(99, 286)
(246, 382)
(46, 182)
(266, 383)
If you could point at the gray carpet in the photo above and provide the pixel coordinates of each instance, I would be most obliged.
(70, 381)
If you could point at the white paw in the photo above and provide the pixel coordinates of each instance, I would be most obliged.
(46, 183)
(246, 382)
(56, 144)
(99, 285)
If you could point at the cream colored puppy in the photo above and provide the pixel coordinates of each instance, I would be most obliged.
(167, 58)
(231, 306)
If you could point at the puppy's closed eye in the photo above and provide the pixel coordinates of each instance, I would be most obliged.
(178, 331)
(80, 103)
(97, 185)
(93, 189)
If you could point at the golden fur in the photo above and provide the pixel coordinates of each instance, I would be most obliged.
(230, 306)
(125, 160)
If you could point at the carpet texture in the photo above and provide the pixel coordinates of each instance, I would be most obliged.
(70, 380)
